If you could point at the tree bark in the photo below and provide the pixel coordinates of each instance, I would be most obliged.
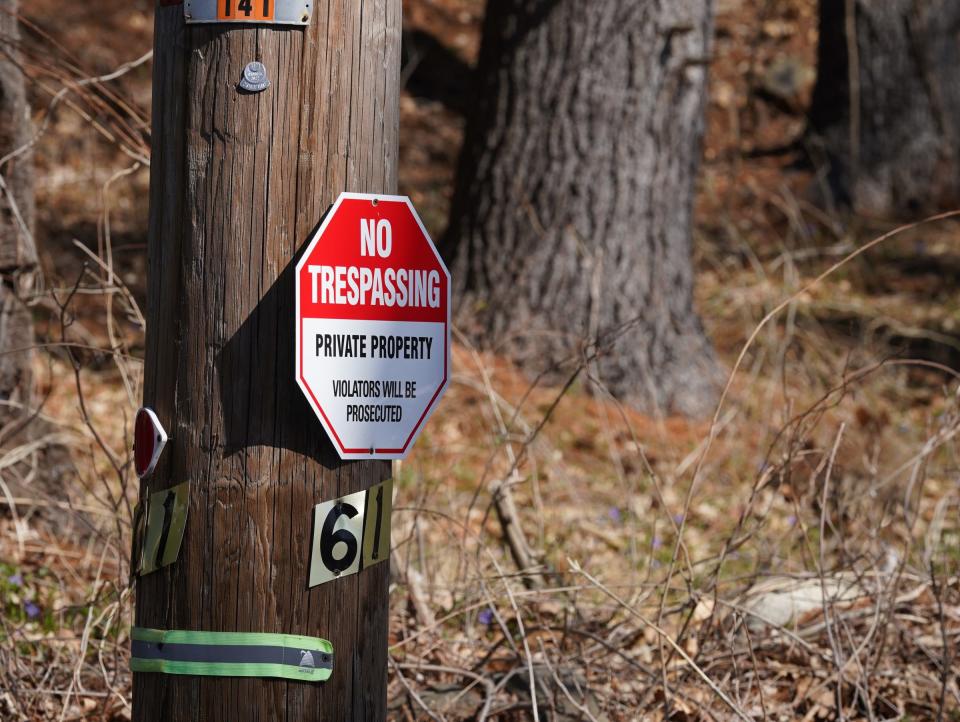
(886, 107)
(571, 221)
(18, 254)
(238, 182)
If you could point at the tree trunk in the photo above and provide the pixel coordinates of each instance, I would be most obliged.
(18, 254)
(571, 222)
(238, 182)
(888, 123)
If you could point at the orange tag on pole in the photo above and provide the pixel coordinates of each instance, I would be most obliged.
(253, 12)
(245, 10)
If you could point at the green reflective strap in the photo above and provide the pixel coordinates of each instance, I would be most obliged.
(175, 636)
(231, 654)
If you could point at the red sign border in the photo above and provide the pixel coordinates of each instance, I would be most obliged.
(353, 453)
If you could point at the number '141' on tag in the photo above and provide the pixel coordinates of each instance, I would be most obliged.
(351, 533)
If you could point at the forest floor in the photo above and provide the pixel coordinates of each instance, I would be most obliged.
(795, 557)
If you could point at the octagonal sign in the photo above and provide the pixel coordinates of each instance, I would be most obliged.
(372, 325)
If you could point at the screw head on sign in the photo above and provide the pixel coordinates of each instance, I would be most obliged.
(149, 438)
(254, 77)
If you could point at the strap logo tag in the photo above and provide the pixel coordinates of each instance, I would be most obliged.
(306, 659)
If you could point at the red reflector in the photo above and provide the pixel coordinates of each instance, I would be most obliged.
(149, 439)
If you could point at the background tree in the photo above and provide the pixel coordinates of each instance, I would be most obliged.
(886, 106)
(571, 219)
(18, 254)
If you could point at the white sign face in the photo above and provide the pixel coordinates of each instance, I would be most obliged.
(351, 533)
(373, 326)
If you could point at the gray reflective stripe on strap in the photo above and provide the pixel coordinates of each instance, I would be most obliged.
(231, 654)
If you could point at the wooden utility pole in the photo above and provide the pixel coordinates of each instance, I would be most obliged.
(238, 182)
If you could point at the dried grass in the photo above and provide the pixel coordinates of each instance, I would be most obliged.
(798, 557)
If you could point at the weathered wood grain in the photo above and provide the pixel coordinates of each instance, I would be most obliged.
(238, 182)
